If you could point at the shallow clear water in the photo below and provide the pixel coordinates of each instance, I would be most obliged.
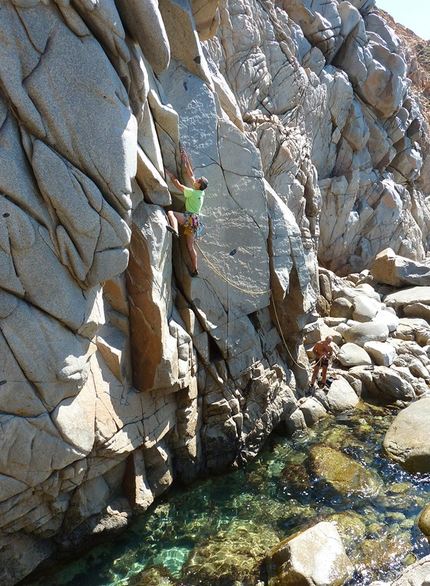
(217, 531)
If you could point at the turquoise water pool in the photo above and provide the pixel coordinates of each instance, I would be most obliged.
(216, 532)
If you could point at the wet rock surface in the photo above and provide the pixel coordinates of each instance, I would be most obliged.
(343, 473)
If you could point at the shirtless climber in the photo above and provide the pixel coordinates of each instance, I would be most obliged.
(323, 351)
(194, 197)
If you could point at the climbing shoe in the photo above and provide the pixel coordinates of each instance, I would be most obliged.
(195, 273)
(172, 230)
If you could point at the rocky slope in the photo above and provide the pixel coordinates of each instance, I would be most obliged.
(119, 372)
(417, 54)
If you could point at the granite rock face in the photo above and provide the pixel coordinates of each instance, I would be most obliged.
(120, 373)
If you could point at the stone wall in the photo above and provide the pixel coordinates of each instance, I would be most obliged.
(119, 372)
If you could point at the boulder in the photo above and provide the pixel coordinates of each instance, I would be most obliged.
(360, 333)
(341, 396)
(341, 307)
(352, 355)
(351, 293)
(410, 296)
(420, 310)
(388, 317)
(315, 557)
(365, 308)
(392, 384)
(382, 353)
(414, 329)
(384, 268)
(312, 410)
(407, 441)
(295, 422)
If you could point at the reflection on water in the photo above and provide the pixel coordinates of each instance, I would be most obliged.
(217, 531)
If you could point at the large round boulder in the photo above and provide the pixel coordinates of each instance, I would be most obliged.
(407, 441)
(388, 317)
(353, 355)
(365, 308)
(341, 307)
(360, 333)
(382, 353)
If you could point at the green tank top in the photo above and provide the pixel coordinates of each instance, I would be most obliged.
(193, 199)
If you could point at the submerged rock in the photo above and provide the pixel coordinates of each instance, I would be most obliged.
(235, 553)
(350, 526)
(342, 472)
(379, 554)
(155, 576)
(315, 557)
(295, 477)
(418, 573)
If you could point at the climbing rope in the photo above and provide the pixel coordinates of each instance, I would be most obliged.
(213, 267)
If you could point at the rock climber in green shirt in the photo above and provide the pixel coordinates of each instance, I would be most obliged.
(194, 197)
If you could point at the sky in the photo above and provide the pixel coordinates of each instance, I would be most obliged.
(414, 14)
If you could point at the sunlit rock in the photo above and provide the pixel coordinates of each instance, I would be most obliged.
(314, 557)
(393, 384)
(382, 353)
(359, 333)
(406, 442)
(392, 269)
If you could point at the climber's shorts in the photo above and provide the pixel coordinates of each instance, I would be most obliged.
(324, 361)
(192, 224)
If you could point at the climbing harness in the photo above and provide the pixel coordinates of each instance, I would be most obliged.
(193, 224)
